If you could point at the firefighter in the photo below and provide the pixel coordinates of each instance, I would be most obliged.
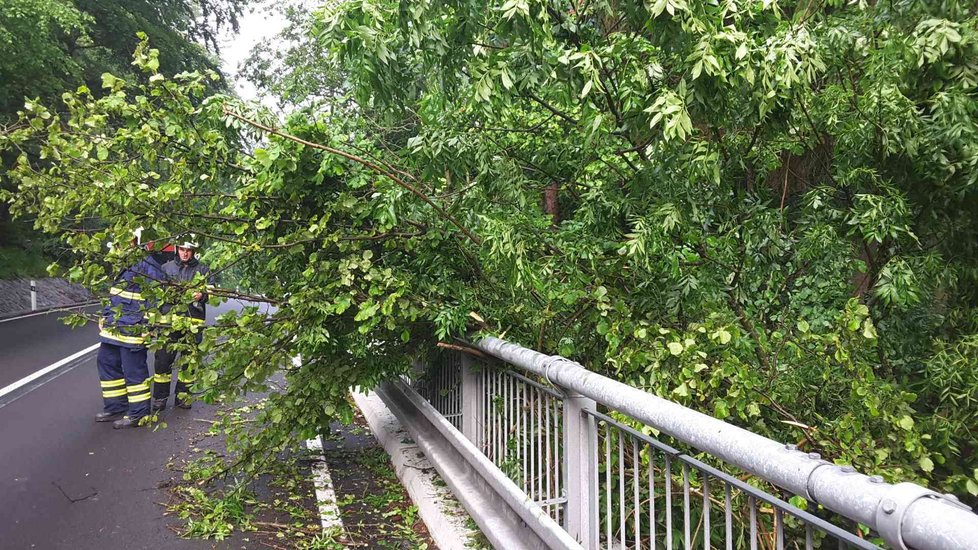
(122, 369)
(182, 270)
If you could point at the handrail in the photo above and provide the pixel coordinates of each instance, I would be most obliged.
(905, 515)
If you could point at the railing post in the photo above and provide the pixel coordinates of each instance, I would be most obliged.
(473, 414)
(33, 296)
(581, 454)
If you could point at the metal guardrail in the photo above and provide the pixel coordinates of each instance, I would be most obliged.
(577, 447)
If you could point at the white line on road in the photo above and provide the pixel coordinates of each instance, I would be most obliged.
(28, 379)
(329, 512)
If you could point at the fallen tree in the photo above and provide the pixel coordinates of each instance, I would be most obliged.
(764, 211)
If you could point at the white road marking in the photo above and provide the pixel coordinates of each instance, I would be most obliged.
(28, 379)
(329, 512)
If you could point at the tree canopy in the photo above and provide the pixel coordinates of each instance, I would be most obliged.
(54, 46)
(764, 210)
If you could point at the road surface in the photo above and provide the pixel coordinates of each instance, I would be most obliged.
(66, 481)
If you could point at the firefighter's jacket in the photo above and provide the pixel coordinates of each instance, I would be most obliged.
(181, 272)
(123, 320)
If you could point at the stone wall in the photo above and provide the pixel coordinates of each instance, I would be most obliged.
(15, 295)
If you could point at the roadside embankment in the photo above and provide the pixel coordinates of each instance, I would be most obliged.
(15, 295)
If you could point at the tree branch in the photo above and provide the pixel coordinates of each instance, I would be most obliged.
(359, 160)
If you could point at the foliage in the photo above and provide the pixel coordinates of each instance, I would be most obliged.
(288, 71)
(54, 46)
(279, 505)
(213, 503)
(763, 210)
(17, 263)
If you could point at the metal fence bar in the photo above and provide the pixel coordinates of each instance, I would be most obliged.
(636, 506)
(607, 485)
(621, 490)
(728, 516)
(496, 503)
(652, 500)
(706, 511)
(667, 483)
(472, 400)
(671, 454)
(905, 515)
(524, 457)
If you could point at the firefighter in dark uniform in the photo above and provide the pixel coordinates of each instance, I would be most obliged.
(181, 270)
(122, 369)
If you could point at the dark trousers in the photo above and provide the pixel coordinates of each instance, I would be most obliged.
(124, 378)
(164, 359)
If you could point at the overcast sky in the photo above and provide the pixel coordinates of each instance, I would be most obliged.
(257, 26)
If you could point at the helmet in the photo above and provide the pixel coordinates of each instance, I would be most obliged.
(137, 237)
(190, 241)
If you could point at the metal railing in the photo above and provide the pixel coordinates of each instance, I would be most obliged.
(580, 447)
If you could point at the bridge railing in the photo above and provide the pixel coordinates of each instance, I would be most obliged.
(590, 455)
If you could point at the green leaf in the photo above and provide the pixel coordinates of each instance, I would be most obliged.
(926, 464)
(906, 423)
(798, 502)
(869, 331)
(675, 348)
(109, 80)
(723, 335)
(507, 81)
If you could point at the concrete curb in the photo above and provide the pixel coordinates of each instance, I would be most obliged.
(437, 506)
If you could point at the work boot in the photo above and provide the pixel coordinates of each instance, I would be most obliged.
(108, 417)
(159, 404)
(126, 422)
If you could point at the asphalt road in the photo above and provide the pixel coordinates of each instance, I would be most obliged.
(66, 481)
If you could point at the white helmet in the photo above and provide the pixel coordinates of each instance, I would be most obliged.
(137, 235)
(189, 242)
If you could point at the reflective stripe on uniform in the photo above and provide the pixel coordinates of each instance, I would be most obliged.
(168, 318)
(188, 317)
(139, 397)
(161, 378)
(138, 388)
(112, 335)
(113, 383)
(116, 291)
(114, 393)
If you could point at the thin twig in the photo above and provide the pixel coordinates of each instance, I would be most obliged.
(463, 349)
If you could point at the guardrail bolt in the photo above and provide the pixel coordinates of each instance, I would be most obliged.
(791, 447)
(889, 506)
(848, 469)
(814, 456)
(876, 479)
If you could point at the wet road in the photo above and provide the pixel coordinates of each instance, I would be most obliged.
(66, 481)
